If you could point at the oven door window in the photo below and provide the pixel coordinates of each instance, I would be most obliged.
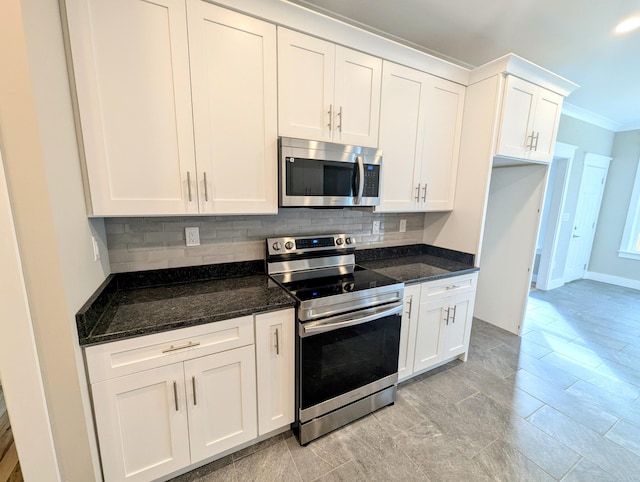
(309, 177)
(345, 359)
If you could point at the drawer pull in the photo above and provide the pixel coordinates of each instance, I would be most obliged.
(193, 385)
(174, 348)
(452, 287)
(175, 394)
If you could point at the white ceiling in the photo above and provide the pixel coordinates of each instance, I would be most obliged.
(573, 38)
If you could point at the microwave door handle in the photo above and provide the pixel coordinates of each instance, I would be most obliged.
(342, 321)
(360, 183)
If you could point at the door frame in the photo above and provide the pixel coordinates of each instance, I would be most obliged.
(590, 160)
(563, 156)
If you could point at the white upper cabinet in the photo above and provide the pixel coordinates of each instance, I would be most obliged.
(234, 89)
(420, 128)
(529, 121)
(137, 64)
(327, 92)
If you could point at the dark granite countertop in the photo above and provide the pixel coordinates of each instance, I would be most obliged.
(417, 263)
(134, 304)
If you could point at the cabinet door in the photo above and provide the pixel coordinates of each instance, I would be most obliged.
(458, 325)
(131, 66)
(305, 86)
(408, 331)
(233, 76)
(142, 424)
(401, 128)
(545, 124)
(430, 334)
(442, 131)
(517, 118)
(357, 98)
(221, 398)
(275, 370)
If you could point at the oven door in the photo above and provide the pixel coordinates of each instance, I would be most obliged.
(347, 357)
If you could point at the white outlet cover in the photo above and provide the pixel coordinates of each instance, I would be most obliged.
(403, 225)
(192, 236)
(376, 227)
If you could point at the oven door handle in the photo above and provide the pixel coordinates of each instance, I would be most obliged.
(349, 319)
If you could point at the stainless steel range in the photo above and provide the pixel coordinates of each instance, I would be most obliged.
(348, 330)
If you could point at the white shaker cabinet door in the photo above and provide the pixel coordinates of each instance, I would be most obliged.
(233, 75)
(306, 68)
(221, 398)
(131, 66)
(458, 325)
(275, 351)
(141, 421)
(545, 124)
(408, 331)
(430, 335)
(517, 118)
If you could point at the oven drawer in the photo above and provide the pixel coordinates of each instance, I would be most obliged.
(124, 357)
(448, 286)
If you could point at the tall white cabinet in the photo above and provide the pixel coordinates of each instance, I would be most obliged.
(327, 92)
(173, 97)
(420, 128)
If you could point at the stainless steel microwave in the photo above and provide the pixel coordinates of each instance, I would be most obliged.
(314, 173)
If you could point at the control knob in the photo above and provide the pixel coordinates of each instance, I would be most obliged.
(349, 240)
(277, 246)
(288, 245)
(339, 241)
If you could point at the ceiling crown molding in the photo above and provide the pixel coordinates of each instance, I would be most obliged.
(585, 115)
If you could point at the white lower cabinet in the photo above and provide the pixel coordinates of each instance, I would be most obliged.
(436, 325)
(166, 401)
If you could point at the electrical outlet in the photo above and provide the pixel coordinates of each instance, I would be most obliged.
(376, 227)
(192, 235)
(403, 225)
(96, 249)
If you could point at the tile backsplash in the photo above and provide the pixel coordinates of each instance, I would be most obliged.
(159, 242)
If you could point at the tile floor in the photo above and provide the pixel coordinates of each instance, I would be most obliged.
(560, 403)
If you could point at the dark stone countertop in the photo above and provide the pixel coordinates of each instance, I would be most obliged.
(417, 263)
(141, 303)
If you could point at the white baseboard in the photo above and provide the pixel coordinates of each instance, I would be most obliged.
(613, 280)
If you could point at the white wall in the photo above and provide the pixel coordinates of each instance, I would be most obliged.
(53, 233)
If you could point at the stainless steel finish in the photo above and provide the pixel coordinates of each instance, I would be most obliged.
(529, 144)
(330, 116)
(447, 317)
(418, 193)
(454, 314)
(189, 184)
(291, 148)
(333, 305)
(348, 319)
(310, 264)
(323, 425)
(175, 394)
(206, 190)
(346, 398)
(290, 241)
(360, 178)
(193, 386)
(181, 347)
(424, 194)
(277, 341)
(410, 303)
(340, 115)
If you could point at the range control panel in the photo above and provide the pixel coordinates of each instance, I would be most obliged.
(307, 244)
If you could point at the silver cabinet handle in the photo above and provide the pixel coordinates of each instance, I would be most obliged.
(418, 193)
(424, 194)
(447, 317)
(189, 184)
(410, 302)
(193, 386)
(451, 287)
(535, 148)
(206, 191)
(182, 347)
(277, 341)
(175, 394)
(340, 115)
(529, 144)
(454, 314)
(330, 116)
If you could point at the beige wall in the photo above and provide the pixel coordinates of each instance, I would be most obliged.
(54, 235)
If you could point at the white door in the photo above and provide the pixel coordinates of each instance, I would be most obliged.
(545, 124)
(358, 79)
(458, 325)
(401, 128)
(305, 86)
(142, 424)
(516, 118)
(586, 217)
(221, 397)
(275, 351)
(408, 331)
(131, 65)
(430, 334)
(233, 75)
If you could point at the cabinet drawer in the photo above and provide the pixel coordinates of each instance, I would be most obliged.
(448, 286)
(142, 353)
